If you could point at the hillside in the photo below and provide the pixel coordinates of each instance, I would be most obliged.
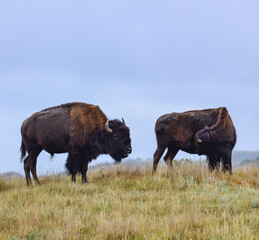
(11, 175)
(123, 202)
(254, 162)
(240, 158)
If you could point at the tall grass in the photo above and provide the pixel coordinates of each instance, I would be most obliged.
(131, 203)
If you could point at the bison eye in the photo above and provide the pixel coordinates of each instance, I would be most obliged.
(116, 138)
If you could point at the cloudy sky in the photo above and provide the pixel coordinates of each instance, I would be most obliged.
(135, 59)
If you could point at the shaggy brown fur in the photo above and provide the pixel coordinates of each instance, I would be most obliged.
(76, 128)
(210, 132)
(85, 121)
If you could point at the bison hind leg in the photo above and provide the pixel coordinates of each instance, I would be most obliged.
(30, 165)
(157, 155)
(168, 158)
(33, 161)
(27, 170)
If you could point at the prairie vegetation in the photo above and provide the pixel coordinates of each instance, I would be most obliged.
(130, 203)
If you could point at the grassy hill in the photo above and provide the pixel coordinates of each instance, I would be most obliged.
(123, 202)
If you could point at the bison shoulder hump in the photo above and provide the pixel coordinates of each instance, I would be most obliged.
(87, 118)
(166, 119)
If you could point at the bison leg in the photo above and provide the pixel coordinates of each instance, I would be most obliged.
(33, 161)
(214, 162)
(73, 178)
(27, 170)
(157, 155)
(73, 163)
(227, 165)
(171, 152)
(71, 168)
(83, 170)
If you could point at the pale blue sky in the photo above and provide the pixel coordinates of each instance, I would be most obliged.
(135, 59)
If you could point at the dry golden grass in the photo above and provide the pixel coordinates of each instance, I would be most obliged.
(131, 203)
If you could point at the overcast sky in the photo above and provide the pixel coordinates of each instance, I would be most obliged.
(135, 59)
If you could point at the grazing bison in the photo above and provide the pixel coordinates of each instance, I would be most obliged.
(207, 132)
(80, 129)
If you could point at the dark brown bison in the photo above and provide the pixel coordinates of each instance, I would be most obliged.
(80, 129)
(207, 132)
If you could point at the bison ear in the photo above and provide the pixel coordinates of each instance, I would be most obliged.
(106, 127)
(123, 121)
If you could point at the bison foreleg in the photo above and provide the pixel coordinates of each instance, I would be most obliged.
(73, 178)
(77, 162)
(227, 165)
(214, 161)
(73, 164)
(83, 170)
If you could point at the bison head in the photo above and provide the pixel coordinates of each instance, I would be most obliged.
(116, 139)
(203, 140)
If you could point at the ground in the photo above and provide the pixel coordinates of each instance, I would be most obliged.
(122, 202)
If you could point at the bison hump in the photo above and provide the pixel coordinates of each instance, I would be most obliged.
(85, 121)
(168, 118)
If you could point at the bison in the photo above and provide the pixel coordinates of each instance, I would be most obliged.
(207, 132)
(80, 129)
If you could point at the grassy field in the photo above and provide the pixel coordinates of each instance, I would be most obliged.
(130, 203)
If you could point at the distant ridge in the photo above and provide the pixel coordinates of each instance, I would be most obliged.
(250, 162)
(11, 175)
(241, 158)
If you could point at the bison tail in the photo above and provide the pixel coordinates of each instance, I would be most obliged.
(23, 151)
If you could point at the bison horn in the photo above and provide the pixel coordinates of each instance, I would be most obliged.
(123, 121)
(199, 140)
(106, 127)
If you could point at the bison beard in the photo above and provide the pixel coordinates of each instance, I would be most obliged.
(207, 132)
(80, 129)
